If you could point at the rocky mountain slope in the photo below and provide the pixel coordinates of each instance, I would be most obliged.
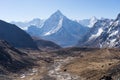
(11, 59)
(99, 27)
(45, 45)
(111, 38)
(15, 36)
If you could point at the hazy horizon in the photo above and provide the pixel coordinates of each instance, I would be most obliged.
(25, 10)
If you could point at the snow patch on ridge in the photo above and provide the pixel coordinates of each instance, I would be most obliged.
(114, 33)
(52, 31)
(96, 35)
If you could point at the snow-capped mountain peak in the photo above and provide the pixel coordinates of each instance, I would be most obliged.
(53, 23)
(60, 29)
(93, 20)
(58, 13)
(88, 22)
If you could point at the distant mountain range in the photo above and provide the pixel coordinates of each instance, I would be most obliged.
(65, 32)
(59, 29)
(88, 22)
(37, 22)
(104, 34)
(24, 25)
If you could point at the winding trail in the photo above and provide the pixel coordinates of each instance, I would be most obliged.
(54, 70)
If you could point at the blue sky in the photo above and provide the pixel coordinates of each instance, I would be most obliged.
(25, 10)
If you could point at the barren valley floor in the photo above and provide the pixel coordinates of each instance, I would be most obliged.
(72, 64)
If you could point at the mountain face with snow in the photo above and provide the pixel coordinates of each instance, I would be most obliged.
(99, 27)
(111, 38)
(24, 25)
(65, 32)
(107, 34)
(88, 22)
(59, 29)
